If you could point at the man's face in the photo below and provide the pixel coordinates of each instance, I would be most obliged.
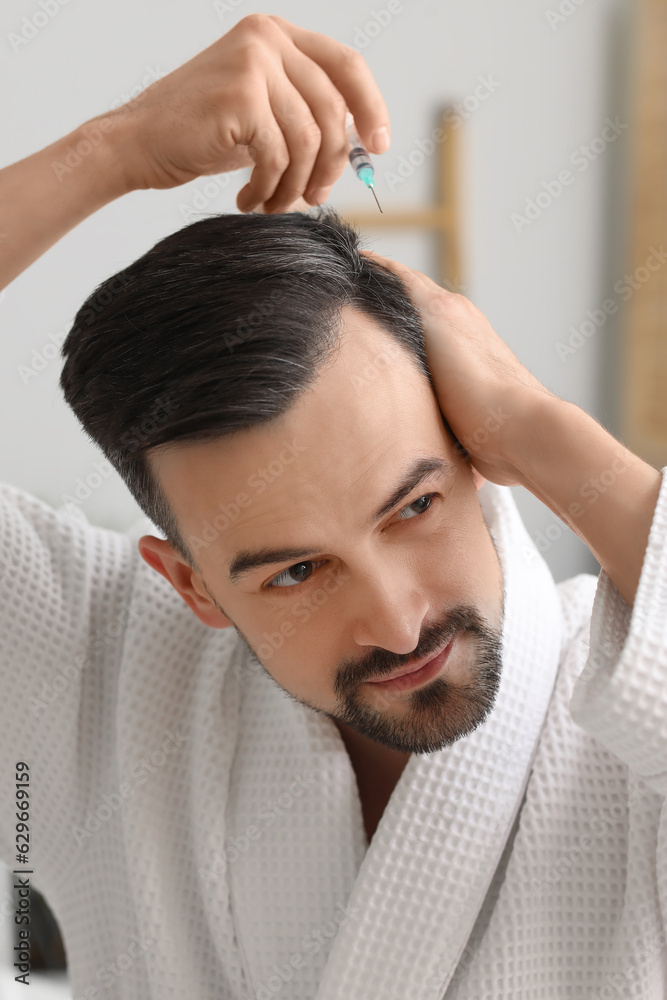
(360, 590)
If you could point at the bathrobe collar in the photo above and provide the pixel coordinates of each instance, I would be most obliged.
(317, 913)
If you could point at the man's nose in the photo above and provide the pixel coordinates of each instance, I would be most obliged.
(389, 613)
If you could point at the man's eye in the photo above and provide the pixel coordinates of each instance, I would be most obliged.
(427, 496)
(285, 575)
(290, 583)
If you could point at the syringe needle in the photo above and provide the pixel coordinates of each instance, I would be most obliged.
(359, 158)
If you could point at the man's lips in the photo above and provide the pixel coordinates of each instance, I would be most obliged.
(412, 668)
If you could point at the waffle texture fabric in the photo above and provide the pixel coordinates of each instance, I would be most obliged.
(198, 833)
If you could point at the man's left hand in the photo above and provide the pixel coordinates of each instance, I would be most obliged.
(483, 390)
(519, 433)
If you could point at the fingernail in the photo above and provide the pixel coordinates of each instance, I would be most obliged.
(381, 140)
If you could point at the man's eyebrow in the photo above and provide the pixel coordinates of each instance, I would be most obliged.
(423, 468)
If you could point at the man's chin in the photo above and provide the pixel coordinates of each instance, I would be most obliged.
(431, 717)
(407, 723)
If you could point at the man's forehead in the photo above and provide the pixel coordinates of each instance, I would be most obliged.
(270, 474)
(368, 413)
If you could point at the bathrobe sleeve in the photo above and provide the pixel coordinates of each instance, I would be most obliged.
(620, 697)
(65, 610)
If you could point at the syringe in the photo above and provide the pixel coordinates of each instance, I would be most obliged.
(359, 158)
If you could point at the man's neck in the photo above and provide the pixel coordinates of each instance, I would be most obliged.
(377, 768)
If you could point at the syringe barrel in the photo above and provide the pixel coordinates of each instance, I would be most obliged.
(359, 159)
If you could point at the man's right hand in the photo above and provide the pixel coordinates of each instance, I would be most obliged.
(266, 93)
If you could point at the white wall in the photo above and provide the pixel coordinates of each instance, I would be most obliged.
(557, 84)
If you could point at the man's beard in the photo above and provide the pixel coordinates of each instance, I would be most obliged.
(440, 712)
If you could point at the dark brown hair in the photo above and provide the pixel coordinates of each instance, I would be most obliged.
(219, 328)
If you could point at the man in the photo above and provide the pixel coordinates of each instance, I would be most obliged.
(408, 776)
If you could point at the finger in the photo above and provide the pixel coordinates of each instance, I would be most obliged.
(430, 298)
(408, 274)
(302, 138)
(328, 109)
(268, 149)
(351, 76)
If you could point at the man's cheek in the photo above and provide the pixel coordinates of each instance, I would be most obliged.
(300, 612)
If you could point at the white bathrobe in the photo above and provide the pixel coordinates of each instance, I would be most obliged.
(199, 834)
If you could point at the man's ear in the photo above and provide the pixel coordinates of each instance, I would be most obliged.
(161, 556)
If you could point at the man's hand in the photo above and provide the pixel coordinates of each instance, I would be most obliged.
(482, 388)
(268, 93)
(519, 433)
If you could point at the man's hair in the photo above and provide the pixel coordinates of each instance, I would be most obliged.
(218, 328)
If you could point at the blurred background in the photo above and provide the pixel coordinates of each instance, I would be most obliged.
(543, 190)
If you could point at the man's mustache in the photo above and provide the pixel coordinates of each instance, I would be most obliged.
(381, 663)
